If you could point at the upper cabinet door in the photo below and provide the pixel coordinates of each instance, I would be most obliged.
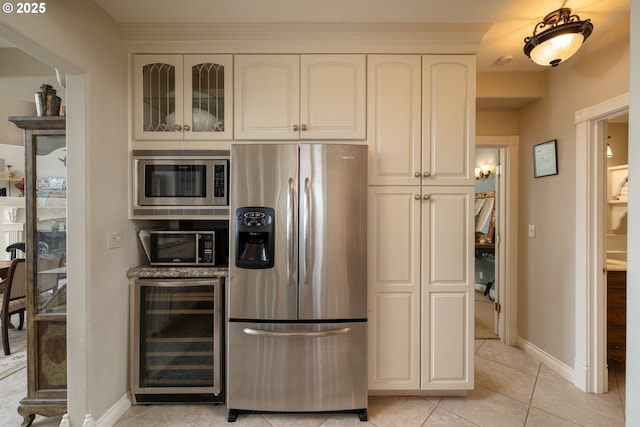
(448, 119)
(291, 97)
(158, 96)
(266, 96)
(182, 97)
(333, 96)
(394, 107)
(208, 112)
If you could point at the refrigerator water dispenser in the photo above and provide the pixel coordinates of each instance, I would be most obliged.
(254, 237)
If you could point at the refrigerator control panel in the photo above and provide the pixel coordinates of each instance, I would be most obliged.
(255, 219)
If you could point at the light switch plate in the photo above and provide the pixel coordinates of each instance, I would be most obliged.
(532, 230)
(114, 239)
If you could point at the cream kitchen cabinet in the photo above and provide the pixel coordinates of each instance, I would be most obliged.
(420, 298)
(291, 97)
(183, 97)
(421, 123)
(421, 119)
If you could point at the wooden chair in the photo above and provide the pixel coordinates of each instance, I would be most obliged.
(13, 298)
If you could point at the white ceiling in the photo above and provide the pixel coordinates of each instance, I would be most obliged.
(512, 20)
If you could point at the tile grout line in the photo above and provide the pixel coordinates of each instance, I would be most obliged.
(535, 384)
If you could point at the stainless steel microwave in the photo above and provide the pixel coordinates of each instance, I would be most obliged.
(181, 178)
(195, 248)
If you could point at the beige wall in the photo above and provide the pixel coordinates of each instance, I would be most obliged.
(9, 133)
(618, 134)
(21, 75)
(77, 36)
(600, 71)
(496, 123)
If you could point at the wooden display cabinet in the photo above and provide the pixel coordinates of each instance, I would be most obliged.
(46, 225)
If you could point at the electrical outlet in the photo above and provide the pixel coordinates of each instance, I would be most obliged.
(114, 239)
(532, 230)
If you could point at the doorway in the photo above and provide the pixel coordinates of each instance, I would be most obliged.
(616, 145)
(505, 292)
(486, 219)
(592, 129)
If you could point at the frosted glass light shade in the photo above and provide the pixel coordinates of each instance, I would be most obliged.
(563, 36)
(557, 49)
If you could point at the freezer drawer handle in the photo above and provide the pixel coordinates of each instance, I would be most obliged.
(273, 334)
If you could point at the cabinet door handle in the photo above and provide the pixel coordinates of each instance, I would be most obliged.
(426, 196)
(303, 127)
(177, 128)
(296, 128)
(427, 174)
(416, 174)
(416, 196)
(187, 128)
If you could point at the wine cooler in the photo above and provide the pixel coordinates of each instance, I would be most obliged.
(176, 341)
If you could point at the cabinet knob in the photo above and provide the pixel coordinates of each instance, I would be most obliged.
(426, 196)
(177, 128)
(416, 196)
(303, 127)
(427, 174)
(187, 128)
(416, 174)
(296, 128)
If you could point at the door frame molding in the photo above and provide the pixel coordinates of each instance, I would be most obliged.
(507, 253)
(590, 364)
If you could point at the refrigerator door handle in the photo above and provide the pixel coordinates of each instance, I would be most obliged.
(291, 231)
(307, 232)
(273, 334)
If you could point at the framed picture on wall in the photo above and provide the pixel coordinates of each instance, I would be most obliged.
(545, 159)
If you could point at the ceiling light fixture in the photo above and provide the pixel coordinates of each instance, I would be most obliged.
(563, 37)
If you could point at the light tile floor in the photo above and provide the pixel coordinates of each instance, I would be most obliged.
(511, 389)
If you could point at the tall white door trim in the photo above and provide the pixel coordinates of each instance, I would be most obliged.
(590, 310)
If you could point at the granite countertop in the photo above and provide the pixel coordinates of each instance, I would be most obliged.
(152, 271)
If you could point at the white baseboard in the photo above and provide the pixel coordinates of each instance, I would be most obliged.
(549, 361)
(113, 414)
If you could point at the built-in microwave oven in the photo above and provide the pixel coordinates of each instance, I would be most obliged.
(173, 178)
(194, 248)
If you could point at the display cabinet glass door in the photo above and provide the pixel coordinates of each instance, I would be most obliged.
(51, 224)
(177, 336)
(182, 96)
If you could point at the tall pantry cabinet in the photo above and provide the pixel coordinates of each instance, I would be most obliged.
(421, 125)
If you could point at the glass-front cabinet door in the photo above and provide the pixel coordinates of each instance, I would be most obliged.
(45, 190)
(50, 209)
(182, 97)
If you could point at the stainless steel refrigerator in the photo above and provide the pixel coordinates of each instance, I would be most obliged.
(297, 293)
